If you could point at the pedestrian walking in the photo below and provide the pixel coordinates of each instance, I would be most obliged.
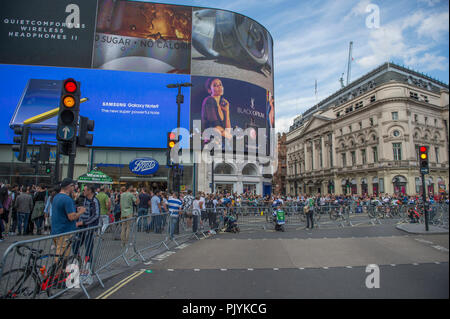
(175, 212)
(105, 207)
(38, 210)
(127, 202)
(24, 207)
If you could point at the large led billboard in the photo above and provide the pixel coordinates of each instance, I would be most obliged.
(124, 54)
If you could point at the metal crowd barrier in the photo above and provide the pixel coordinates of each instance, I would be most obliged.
(47, 267)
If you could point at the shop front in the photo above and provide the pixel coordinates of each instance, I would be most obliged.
(140, 168)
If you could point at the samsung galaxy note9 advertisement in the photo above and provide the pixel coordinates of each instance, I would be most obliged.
(130, 109)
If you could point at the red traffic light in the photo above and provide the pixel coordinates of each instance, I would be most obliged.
(423, 149)
(70, 86)
(172, 136)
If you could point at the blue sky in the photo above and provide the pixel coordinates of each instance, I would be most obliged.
(311, 40)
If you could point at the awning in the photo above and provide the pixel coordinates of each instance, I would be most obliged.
(95, 177)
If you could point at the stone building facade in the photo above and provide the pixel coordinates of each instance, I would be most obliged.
(365, 137)
(279, 178)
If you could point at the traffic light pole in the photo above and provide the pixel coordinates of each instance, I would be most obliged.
(72, 155)
(57, 164)
(424, 199)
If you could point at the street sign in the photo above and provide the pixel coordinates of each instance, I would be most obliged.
(66, 132)
(424, 170)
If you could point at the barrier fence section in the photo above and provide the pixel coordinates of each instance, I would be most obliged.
(49, 266)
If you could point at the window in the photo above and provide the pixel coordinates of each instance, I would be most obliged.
(396, 133)
(417, 151)
(394, 116)
(350, 128)
(353, 153)
(375, 154)
(415, 118)
(338, 114)
(358, 105)
(342, 132)
(372, 99)
(425, 98)
(414, 95)
(397, 148)
(344, 160)
(360, 125)
(426, 120)
(418, 185)
(371, 121)
(435, 122)
(381, 184)
(363, 157)
(436, 151)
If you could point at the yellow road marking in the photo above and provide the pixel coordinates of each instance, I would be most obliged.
(119, 285)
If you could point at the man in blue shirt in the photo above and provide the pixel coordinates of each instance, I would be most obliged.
(64, 215)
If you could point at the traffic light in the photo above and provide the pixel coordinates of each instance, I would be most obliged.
(423, 160)
(48, 169)
(44, 153)
(34, 161)
(86, 125)
(22, 140)
(69, 109)
(171, 142)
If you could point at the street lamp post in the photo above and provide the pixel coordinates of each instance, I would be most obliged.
(180, 100)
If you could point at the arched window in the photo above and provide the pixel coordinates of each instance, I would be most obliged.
(224, 169)
(249, 170)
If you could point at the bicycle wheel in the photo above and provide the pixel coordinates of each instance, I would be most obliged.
(19, 284)
(64, 275)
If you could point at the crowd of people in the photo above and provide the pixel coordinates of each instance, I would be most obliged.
(39, 209)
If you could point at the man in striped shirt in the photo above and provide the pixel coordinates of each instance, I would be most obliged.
(174, 204)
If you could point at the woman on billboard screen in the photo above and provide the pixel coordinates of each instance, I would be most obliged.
(216, 109)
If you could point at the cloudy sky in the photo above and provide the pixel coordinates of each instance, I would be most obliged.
(311, 41)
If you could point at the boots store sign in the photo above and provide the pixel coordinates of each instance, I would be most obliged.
(144, 166)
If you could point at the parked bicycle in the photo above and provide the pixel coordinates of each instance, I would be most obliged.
(35, 278)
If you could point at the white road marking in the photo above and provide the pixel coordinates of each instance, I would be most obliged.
(276, 269)
(393, 265)
(148, 263)
(196, 269)
(250, 269)
(423, 241)
(349, 267)
(223, 269)
(415, 264)
(440, 248)
(170, 270)
(325, 267)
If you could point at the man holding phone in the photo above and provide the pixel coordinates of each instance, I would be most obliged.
(64, 215)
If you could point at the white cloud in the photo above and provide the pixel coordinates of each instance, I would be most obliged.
(434, 26)
(430, 3)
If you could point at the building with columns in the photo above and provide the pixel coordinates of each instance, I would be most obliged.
(279, 178)
(364, 138)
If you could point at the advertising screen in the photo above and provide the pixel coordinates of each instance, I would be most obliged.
(50, 32)
(124, 53)
(130, 109)
(230, 45)
(225, 103)
(145, 37)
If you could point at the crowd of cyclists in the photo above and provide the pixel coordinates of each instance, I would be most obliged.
(26, 210)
